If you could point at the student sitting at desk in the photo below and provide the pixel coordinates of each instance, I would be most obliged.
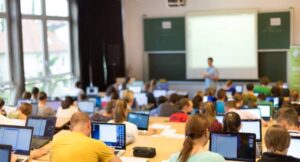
(2, 110)
(210, 114)
(77, 146)
(107, 115)
(277, 141)
(170, 107)
(22, 112)
(288, 119)
(26, 95)
(67, 108)
(186, 106)
(161, 100)
(249, 97)
(239, 105)
(128, 96)
(197, 135)
(35, 92)
(119, 116)
(43, 109)
(198, 104)
(220, 104)
(230, 87)
(263, 87)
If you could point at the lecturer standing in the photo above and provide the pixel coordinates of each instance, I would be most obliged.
(210, 75)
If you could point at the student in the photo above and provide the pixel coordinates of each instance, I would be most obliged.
(22, 112)
(77, 146)
(210, 114)
(43, 109)
(198, 103)
(186, 106)
(161, 100)
(107, 115)
(249, 97)
(153, 84)
(220, 104)
(128, 96)
(230, 87)
(119, 116)
(35, 92)
(239, 105)
(77, 90)
(197, 136)
(263, 87)
(295, 97)
(2, 110)
(277, 142)
(26, 95)
(275, 92)
(210, 93)
(261, 100)
(67, 108)
(288, 119)
(171, 107)
(150, 96)
(210, 75)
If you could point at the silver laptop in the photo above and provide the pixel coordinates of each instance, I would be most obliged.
(5, 153)
(141, 99)
(54, 105)
(87, 106)
(43, 130)
(294, 147)
(254, 111)
(253, 126)
(158, 93)
(113, 135)
(19, 138)
(265, 111)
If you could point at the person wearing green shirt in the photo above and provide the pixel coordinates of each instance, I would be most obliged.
(263, 87)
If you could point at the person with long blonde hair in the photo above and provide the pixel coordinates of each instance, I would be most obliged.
(210, 114)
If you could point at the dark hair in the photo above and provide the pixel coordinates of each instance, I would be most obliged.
(112, 92)
(221, 94)
(35, 91)
(275, 91)
(161, 99)
(197, 100)
(231, 122)
(238, 98)
(195, 128)
(78, 84)
(210, 59)
(42, 96)
(277, 138)
(2, 103)
(250, 87)
(26, 95)
(262, 96)
(174, 98)
(264, 80)
(67, 102)
(290, 115)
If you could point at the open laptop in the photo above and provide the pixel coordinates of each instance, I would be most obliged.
(141, 120)
(43, 130)
(54, 105)
(158, 93)
(274, 100)
(265, 111)
(141, 99)
(5, 153)
(220, 118)
(113, 135)
(239, 88)
(255, 111)
(19, 137)
(253, 126)
(87, 106)
(234, 146)
(294, 147)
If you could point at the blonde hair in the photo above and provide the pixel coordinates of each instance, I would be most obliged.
(128, 96)
(25, 108)
(210, 112)
(277, 138)
(120, 111)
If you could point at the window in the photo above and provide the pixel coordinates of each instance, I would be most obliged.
(57, 8)
(4, 69)
(31, 7)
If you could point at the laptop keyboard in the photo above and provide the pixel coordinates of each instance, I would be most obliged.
(22, 160)
(38, 143)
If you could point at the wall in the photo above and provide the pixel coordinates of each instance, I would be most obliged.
(135, 10)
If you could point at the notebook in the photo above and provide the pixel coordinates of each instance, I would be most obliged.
(265, 111)
(5, 153)
(141, 120)
(87, 106)
(113, 135)
(234, 146)
(294, 147)
(19, 137)
(252, 126)
(54, 105)
(43, 130)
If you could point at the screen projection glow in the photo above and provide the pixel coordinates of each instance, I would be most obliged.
(229, 37)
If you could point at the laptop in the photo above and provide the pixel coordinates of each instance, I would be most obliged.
(54, 105)
(33, 104)
(253, 126)
(294, 147)
(254, 111)
(86, 106)
(265, 111)
(274, 100)
(43, 130)
(234, 146)
(158, 93)
(141, 99)
(220, 118)
(92, 91)
(135, 89)
(239, 88)
(113, 135)
(141, 120)
(5, 153)
(19, 137)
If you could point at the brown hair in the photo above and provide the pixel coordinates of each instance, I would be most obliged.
(290, 115)
(183, 102)
(120, 111)
(26, 95)
(231, 122)
(195, 128)
(264, 80)
(67, 102)
(250, 87)
(25, 108)
(110, 106)
(210, 112)
(277, 138)
(197, 101)
(42, 96)
(78, 118)
(221, 94)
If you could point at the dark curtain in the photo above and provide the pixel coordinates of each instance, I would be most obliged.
(101, 46)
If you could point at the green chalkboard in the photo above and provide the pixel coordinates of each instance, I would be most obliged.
(168, 66)
(274, 36)
(164, 34)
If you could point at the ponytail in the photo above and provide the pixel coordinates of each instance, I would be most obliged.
(186, 150)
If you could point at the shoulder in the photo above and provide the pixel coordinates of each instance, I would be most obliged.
(174, 157)
(213, 157)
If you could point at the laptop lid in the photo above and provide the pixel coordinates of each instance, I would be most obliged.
(86, 106)
(18, 137)
(252, 126)
(113, 135)
(274, 101)
(141, 99)
(220, 118)
(158, 93)
(5, 153)
(254, 111)
(54, 105)
(43, 127)
(141, 120)
(234, 146)
(239, 88)
(294, 147)
(265, 111)
(135, 89)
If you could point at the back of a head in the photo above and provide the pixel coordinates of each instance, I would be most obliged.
(120, 111)
(147, 87)
(210, 111)
(26, 95)
(231, 122)
(288, 116)
(197, 100)
(264, 80)
(250, 87)
(79, 118)
(229, 83)
(35, 91)
(42, 96)
(275, 91)
(162, 99)
(128, 96)
(78, 84)
(25, 108)
(261, 96)
(110, 106)
(67, 102)
(183, 102)
(238, 98)
(2, 102)
(295, 96)
(221, 94)
(195, 128)
(277, 139)
(174, 98)
(210, 92)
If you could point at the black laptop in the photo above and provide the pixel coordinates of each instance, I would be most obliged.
(5, 153)
(141, 120)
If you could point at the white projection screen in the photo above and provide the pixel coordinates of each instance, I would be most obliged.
(229, 37)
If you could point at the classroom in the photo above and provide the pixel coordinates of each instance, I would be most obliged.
(149, 80)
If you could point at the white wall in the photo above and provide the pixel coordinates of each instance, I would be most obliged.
(134, 10)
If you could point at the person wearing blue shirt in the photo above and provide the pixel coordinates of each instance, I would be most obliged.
(210, 75)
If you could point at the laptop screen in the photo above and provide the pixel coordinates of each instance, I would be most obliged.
(139, 119)
(141, 98)
(92, 91)
(86, 106)
(253, 111)
(220, 118)
(18, 137)
(111, 134)
(54, 105)
(5, 151)
(234, 146)
(265, 110)
(158, 93)
(135, 89)
(43, 127)
(294, 147)
(252, 126)
(239, 88)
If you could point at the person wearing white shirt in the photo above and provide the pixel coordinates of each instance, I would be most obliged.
(77, 90)
(67, 109)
